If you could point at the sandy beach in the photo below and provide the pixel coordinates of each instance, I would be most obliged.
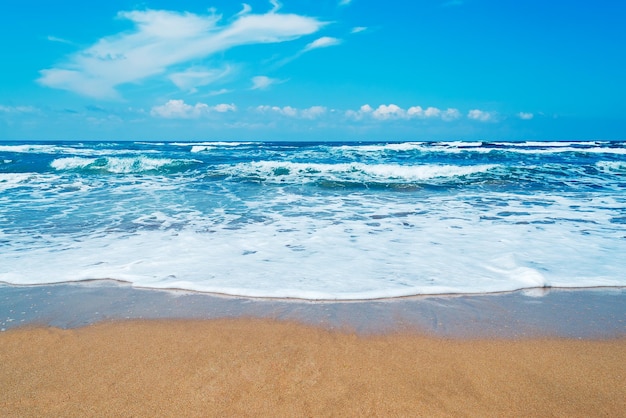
(261, 367)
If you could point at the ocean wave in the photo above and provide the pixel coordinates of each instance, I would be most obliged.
(618, 167)
(11, 180)
(532, 147)
(121, 165)
(36, 181)
(458, 147)
(545, 144)
(83, 150)
(578, 150)
(400, 146)
(201, 148)
(212, 144)
(291, 172)
(27, 149)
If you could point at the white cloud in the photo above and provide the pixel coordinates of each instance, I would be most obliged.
(178, 109)
(392, 111)
(218, 92)
(359, 114)
(450, 114)
(344, 2)
(59, 40)
(245, 10)
(285, 111)
(261, 82)
(358, 29)
(481, 115)
(223, 108)
(276, 5)
(433, 112)
(163, 39)
(525, 116)
(419, 112)
(197, 77)
(312, 112)
(323, 42)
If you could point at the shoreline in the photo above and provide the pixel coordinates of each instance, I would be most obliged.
(539, 312)
(107, 349)
(123, 283)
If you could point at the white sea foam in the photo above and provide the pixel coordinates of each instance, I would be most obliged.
(493, 223)
(10, 180)
(275, 171)
(211, 144)
(458, 147)
(618, 167)
(22, 149)
(37, 182)
(400, 146)
(460, 144)
(83, 151)
(71, 163)
(201, 148)
(136, 165)
(544, 144)
(117, 165)
(351, 248)
(582, 150)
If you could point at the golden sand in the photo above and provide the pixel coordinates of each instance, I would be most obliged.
(250, 367)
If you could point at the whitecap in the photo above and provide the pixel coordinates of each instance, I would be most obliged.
(118, 165)
(275, 171)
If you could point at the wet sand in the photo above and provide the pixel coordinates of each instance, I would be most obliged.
(574, 313)
(261, 367)
(105, 349)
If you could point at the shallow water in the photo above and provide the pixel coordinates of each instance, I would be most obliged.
(580, 313)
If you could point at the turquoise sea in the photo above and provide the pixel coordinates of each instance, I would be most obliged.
(315, 220)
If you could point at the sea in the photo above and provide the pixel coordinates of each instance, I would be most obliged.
(317, 221)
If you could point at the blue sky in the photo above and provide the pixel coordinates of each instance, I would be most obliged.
(313, 70)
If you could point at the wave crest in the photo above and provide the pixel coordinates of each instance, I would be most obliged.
(120, 165)
(283, 172)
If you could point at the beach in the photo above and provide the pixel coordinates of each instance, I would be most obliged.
(345, 208)
(251, 367)
(154, 353)
(299, 278)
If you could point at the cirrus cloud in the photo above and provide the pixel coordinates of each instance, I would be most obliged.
(323, 42)
(262, 82)
(195, 77)
(162, 40)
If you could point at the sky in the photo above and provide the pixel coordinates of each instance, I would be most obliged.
(313, 70)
